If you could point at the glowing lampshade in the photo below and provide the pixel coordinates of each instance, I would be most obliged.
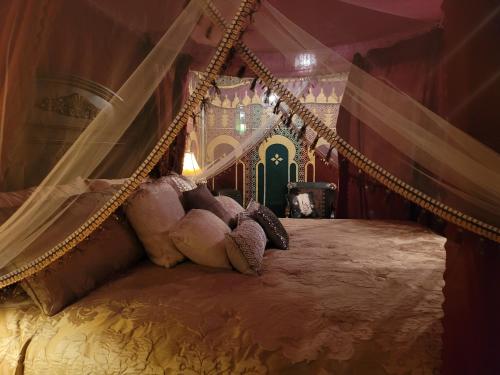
(191, 167)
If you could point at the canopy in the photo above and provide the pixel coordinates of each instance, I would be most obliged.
(95, 93)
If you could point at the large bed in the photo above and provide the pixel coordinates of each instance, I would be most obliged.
(349, 297)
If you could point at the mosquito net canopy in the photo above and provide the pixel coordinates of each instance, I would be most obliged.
(95, 93)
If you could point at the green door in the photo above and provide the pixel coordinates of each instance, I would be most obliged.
(276, 178)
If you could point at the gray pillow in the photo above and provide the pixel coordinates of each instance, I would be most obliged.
(245, 247)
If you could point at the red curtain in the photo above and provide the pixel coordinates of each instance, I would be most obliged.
(471, 79)
(170, 96)
(464, 87)
(409, 66)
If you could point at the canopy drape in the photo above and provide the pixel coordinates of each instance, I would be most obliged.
(85, 119)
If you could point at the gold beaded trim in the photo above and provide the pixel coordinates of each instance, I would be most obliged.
(349, 152)
(231, 35)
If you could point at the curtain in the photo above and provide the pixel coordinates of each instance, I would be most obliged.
(170, 95)
(471, 79)
(409, 66)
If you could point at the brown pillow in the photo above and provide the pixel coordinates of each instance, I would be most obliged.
(17, 198)
(152, 211)
(245, 247)
(105, 184)
(202, 198)
(275, 231)
(112, 248)
(200, 237)
(14, 198)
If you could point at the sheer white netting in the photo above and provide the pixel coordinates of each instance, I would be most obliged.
(426, 151)
(70, 118)
(74, 125)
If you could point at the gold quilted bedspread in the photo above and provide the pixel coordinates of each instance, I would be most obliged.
(349, 297)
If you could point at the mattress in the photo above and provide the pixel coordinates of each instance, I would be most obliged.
(348, 297)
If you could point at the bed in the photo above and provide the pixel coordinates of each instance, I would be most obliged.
(349, 297)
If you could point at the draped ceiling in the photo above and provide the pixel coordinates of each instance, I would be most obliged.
(383, 22)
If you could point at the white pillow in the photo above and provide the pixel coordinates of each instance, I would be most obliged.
(152, 211)
(200, 237)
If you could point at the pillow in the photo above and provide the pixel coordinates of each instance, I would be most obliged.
(301, 205)
(180, 184)
(152, 211)
(245, 247)
(230, 205)
(275, 231)
(200, 237)
(105, 184)
(110, 249)
(202, 198)
(17, 198)
(14, 199)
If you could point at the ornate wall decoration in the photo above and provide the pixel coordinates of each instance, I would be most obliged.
(235, 113)
(72, 105)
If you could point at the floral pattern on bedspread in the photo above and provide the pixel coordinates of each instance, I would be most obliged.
(348, 297)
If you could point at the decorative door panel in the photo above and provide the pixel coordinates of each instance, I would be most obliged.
(277, 172)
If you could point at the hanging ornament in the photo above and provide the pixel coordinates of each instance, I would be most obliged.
(208, 32)
(314, 143)
(241, 71)
(229, 60)
(204, 104)
(254, 83)
(329, 154)
(267, 95)
(302, 131)
(194, 116)
(277, 107)
(216, 88)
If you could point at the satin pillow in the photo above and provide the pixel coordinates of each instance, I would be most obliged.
(200, 237)
(152, 211)
(110, 249)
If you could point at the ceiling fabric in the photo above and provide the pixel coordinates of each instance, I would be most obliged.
(80, 126)
(426, 10)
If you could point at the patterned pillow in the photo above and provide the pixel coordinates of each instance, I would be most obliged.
(245, 247)
(180, 185)
(275, 231)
